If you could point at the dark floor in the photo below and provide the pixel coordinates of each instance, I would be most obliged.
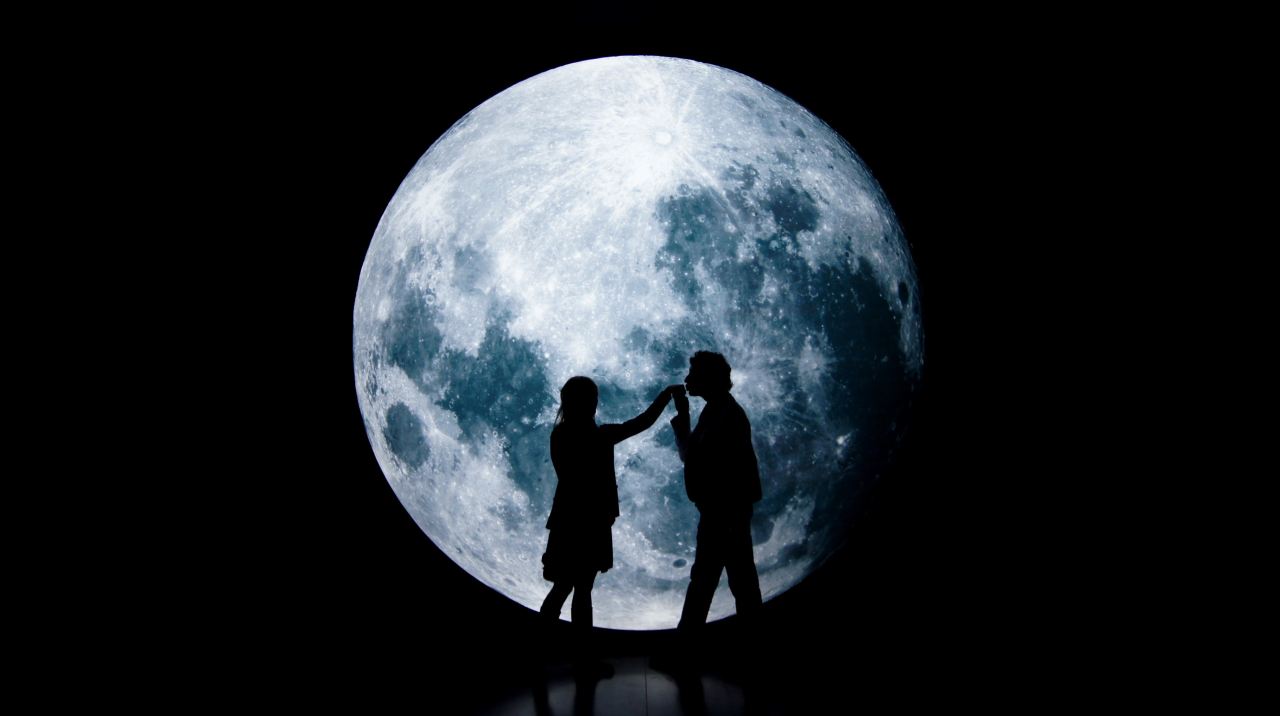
(635, 689)
(770, 673)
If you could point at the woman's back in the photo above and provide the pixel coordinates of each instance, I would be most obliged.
(586, 486)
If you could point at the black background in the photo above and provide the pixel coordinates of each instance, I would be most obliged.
(200, 187)
(958, 563)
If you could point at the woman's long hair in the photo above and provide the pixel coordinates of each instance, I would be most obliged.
(578, 399)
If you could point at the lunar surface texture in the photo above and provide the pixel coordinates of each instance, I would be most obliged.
(608, 218)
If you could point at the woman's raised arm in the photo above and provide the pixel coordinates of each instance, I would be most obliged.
(616, 433)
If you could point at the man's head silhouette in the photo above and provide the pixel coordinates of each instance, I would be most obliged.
(708, 375)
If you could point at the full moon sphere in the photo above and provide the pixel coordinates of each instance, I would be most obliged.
(608, 218)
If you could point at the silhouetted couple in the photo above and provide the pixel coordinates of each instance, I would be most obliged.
(721, 478)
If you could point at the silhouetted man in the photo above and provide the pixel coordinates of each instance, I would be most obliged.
(722, 479)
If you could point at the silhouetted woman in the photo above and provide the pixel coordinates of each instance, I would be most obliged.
(586, 500)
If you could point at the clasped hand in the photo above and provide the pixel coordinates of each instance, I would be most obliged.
(682, 400)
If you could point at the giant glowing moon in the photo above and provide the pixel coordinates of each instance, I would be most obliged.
(608, 218)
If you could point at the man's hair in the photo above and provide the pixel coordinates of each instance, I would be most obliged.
(714, 367)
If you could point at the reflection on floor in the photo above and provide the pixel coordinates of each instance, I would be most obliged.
(636, 688)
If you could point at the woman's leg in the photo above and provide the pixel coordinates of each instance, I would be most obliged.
(587, 661)
(581, 609)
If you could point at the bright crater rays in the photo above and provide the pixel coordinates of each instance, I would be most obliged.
(608, 218)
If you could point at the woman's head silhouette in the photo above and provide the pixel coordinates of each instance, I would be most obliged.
(578, 399)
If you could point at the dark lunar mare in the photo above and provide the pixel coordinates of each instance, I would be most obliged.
(501, 390)
(404, 435)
